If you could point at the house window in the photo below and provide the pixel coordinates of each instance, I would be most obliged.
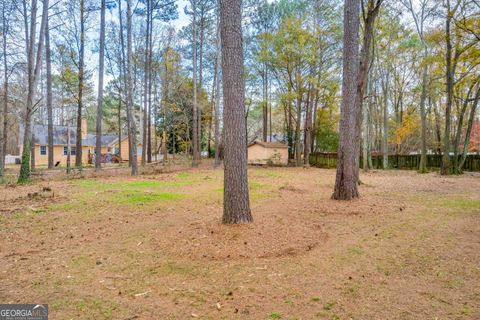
(72, 151)
(43, 150)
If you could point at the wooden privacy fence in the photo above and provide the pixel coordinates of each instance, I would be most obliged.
(404, 162)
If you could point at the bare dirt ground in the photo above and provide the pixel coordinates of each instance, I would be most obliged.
(152, 247)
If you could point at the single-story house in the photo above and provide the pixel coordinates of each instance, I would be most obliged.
(121, 149)
(270, 153)
(60, 144)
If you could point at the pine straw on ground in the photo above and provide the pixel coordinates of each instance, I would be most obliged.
(152, 247)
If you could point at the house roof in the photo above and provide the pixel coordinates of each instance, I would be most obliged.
(272, 145)
(91, 139)
(60, 134)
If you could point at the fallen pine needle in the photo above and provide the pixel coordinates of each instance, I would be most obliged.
(143, 293)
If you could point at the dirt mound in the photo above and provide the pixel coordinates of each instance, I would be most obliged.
(269, 236)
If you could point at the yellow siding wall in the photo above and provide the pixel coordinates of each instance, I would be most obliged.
(258, 154)
(58, 155)
(124, 151)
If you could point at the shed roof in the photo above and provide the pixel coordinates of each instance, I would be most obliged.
(270, 145)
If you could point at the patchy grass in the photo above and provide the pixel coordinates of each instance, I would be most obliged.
(91, 307)
(96, 186)
(275, 315)
(461, 203)
(137, 198)
(328, 306)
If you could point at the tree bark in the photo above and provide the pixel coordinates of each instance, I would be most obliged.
(149, 98)
(265, 103)
(200, 79)
(298, 124)
(101, 67)
(236, 203)
(145, 86)
(132, 134)
(217, 97)
(81, 66)
(69, 148)
(123, 69)
(468, 134)
(373, 7)
(458, 132)
(423, 115)
(195, 147)
(366, 131)
(4, 137)
(449, 70)
(33, 67)
(346, 179)
(212, 107)
(308, 128)
(48, 58)
(385, 122)
(120, 124)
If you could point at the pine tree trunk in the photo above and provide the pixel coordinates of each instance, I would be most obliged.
(69, 148)
(346, 180)
(81, 65)
(195, 147)
(217, 98)
(120, 124)
(48, 59)
(150, 76)
(298, 124)
(264, 104)
(123, 69)
(385, 122)
(236, 203)
(145, 86)
(212, 107)
(445, 168)
(132, 134)
(308, 129)
(365, 138)
(200, 82)
(34, 67)
(423, 115)
(4, 136)
(101, 63)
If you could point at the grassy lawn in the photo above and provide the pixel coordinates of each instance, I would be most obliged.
(152, 247)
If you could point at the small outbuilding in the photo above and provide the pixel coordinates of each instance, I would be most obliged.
(268, 153)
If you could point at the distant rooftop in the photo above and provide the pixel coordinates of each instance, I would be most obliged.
(275, 145)
(60, 135)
